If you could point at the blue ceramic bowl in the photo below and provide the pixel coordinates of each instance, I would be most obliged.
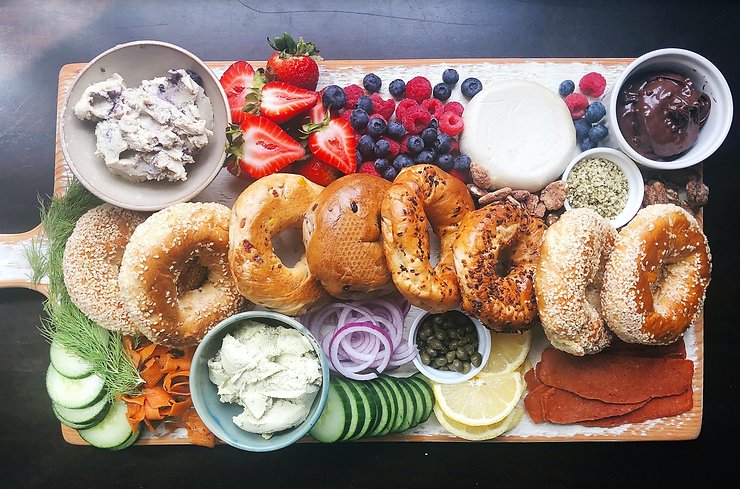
(217, 416)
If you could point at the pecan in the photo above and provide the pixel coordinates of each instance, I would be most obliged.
(553, 196)
(480, 176)
(697, 193)
(520, 195)
(496, 195)
(476, 191)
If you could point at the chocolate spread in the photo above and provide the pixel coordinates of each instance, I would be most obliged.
(660, 114)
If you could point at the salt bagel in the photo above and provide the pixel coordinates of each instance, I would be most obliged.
(657, 276)
(496, 254)
(423, 195)
(341, 233)
(91, 263)
(265, 209)
(160, 248)
(569, 279)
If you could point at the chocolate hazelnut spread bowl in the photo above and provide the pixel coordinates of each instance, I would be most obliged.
(670, 109)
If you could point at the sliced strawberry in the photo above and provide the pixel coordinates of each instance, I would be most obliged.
(280, 102)
(333, 142)
(316, 170)
(261, 147)
(237, 81)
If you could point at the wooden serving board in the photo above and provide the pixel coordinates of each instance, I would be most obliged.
(16, 272)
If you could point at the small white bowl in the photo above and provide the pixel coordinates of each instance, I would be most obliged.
(706, 77)
(137, 61)
(635, 181)
(450, 377)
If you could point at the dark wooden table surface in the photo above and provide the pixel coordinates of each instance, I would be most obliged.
(38, 37)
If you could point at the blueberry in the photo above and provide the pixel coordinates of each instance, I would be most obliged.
(597, 133)
(587, 144)
(365, 103)
(470, 87)
(582, 128)
(397, 88)
(382, 148)
(450, 76)
(359, 119)
(376, 127)
(429, 136)
(426, 157)
(381, 164)
(389, 173)
(366, 144)
(334, 97)
(445, 161)
(462, 163)
(395, 130)
(443, 144)
(372, 82)
(433, 123)
(441, 91)
(415, 144)
(397, 164)
(358, 156)
(595, 112)
(566, 88)
(403, 161)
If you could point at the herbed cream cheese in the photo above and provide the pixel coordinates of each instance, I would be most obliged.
(272, 372)
(150, 132)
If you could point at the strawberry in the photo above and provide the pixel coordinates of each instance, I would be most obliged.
(279, 101)
(316, 170)
(260, 147)
(294, 62)
(237, 81)
(333, 142)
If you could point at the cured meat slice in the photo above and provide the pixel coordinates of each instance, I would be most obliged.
(563, 407)
(659, 407)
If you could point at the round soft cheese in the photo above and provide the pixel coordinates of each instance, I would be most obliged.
(520, 132)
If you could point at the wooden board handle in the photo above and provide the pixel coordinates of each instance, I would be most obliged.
(15, 270)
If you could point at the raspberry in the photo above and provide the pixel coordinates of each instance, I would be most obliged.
(346, 115)
(353, 93)
(455, 107)
(592, 84)
(369, 168)
(450, 123)
(403, 106)
(395, 147)
(418, 89)
(416, 119)
(463, 177)
(434, 107)
(454, 145)
(383, 107)
(577, 104)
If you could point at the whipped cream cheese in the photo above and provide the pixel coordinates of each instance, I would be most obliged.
(150, 132)
(272, 372)
(520, 132)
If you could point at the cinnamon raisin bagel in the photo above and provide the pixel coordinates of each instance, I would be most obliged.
(265, 209)
(657, 276)
(496, 254)
(341, 233)
(420, 196)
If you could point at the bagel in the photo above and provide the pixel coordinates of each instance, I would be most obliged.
(657, 276)
(161, 247)
(265, 209)
(423, 195)
(569, 279)
(341, 233)
(496, 254)
(91, 264)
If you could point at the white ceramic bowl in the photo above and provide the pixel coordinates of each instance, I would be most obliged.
(449, 377)
(635, 181)
(706, 77)
(137, 61)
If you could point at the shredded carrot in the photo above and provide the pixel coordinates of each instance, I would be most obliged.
(199, 433)
(177, 383)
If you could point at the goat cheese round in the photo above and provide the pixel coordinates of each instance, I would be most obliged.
(520, 132)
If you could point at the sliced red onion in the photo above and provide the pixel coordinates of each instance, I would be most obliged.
(366, 328)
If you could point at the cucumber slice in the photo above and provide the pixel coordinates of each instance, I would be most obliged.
(334, 421)
(357, 412)
(370, 406)
(67, 363)
(131, 440)
(418, 399)
(74, 393)
(391, 407)
(81, 419)
(427, 393)
(408, 418)
(113, 431)
(400, 401)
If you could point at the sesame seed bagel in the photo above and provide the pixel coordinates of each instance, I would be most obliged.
(91, 264)
(420, 193)
(569, 279)
(160, 249)
(657, 276)
(265, 209)
(496, 254)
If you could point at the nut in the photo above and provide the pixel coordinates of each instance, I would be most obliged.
(520, 195)
(496, 195)
(476, 191)
(480, 176)
(697, 193)
(553, 196)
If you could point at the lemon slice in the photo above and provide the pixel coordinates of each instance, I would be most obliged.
(478, 433)
(508, 352)
(480, 401)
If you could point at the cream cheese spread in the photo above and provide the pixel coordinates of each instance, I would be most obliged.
(150, 132)
(272, 372)
(520, 132)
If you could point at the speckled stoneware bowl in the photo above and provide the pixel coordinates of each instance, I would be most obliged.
(217, 416)
(137, 61)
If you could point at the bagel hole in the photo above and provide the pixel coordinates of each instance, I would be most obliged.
(192, 276)
(505, 262)
(288, 246)
(435, 246)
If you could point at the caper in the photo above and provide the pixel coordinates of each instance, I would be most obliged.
(469, 349)
(435, 343)
(431, 352)
(461, 354)
(476, 359)
(425, 358)
(466, 367)
(462, 341)
(440, 335)
(450, 356)
(453, 345)
(437, 321)
(443, 368)
(427, 331)
(453, 333)
(439, 361)
(457, 366)
(469, 337)
(469, 328)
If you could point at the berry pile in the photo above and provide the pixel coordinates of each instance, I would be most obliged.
(587, 117)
